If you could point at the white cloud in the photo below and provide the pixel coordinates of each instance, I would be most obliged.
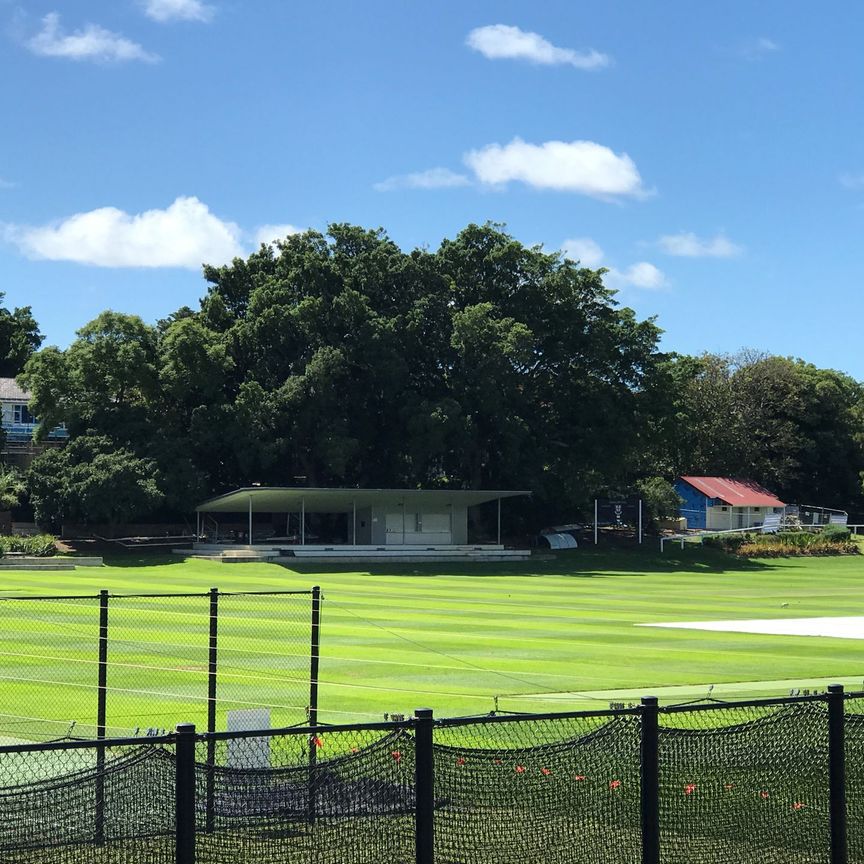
(574, 166)
(268, 234)
(688, 245)
(89, 43)
(177, 10)
(852, 181)
(186, 234)
(641, 275)
(503, 42)
(584, 250)
(434, 178)
(755, 49)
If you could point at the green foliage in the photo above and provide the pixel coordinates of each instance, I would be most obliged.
(796, 429)
(727, 542)
(783, 544)
(12, 487)
(836, 533)
(91, 480)
(339, 359)
(40, 546)
(661, 499)
(19, 338)
(765, 548)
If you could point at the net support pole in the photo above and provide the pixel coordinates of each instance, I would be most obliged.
(184, 826)
(640, 521)
(499, 521)
(595, 521)
(424, 786)
(649, 775)
(250, 522)
(212, 668)
(101, 716)
(302, 521)
(837, 774)
(314, 660)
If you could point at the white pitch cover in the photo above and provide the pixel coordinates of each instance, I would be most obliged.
(248, 752)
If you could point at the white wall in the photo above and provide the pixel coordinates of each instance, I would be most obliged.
(722, 519)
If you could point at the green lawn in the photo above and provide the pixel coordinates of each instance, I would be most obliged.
(541, 635)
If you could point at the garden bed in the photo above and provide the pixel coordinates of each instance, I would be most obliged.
(833, 540)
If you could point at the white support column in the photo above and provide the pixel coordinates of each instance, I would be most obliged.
(302, 521)
(250, 521)
(499, 521)
(354, 523)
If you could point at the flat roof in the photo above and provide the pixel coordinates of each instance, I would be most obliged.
(290, 499)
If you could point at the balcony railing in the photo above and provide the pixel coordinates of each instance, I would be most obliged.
(24, 432)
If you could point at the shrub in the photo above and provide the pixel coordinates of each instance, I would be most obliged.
(796, 539)
(727, 542)
(661, 499)
(766, 547)
(836, 533)
(41, 546)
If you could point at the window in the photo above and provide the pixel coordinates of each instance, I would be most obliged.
(21, 414)
(757, 509)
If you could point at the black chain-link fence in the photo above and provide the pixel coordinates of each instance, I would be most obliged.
(115, 665)
(776, 781)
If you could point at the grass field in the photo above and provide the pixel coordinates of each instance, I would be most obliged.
(540, 635)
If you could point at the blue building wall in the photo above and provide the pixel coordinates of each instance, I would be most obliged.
(695, 506)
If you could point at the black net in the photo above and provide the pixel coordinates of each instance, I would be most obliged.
(537, 791)
(49, 655)
(854, 729)
(737, 784)
(69, 807)
(332, 798)
(745, 785)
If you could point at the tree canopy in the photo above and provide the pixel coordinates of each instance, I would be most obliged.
(340, 359)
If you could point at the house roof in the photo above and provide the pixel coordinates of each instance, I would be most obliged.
(284, 499)
(737, 493)
(10, 391)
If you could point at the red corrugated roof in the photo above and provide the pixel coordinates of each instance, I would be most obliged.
(738, 493)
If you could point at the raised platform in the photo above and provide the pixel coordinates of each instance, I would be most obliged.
(58, 562)
(340, 554)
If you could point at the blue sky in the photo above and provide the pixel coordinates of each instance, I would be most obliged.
(709, 154)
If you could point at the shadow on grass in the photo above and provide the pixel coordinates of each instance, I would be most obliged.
(586, 562)
(140, 559)
(581, 563)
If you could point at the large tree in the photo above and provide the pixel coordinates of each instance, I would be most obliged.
(92, 480)
(19, 338)
(780, 421)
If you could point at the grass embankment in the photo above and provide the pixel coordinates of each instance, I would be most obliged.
(539, 635)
